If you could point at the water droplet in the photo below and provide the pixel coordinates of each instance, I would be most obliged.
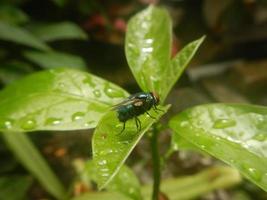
(202, 146)
(77, 116)
(88, 80)
(97, 93)
(28, 124)
(112, 92)
(105, 174)
(254, 173)
(224, 123)
(6, 124)
(53, 121)
(102, 162)
(260, 137)
(175, 147)
(149, 41)
(147, 49)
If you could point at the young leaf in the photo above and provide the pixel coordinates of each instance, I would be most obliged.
(32, 160)
(58, 31)
(111, 147)
(148, 47)
(19, 35)
(179, 63)
(52, 59)
(60, 99)
(236, 134)
(124, 182)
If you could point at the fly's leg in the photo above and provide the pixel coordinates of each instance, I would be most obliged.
(150, 115)
(123, 128)
(138, 124)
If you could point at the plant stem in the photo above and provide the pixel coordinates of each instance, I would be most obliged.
(156, 164)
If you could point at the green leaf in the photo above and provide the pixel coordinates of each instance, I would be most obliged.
(60, 99)
(148, 48)
(19, 35)
(19, 184)
(111, 148)
(124, 182)
(12, 15)
(32, 160)
(59, 31)
(179, 63)
(52, 59)
(236, 134)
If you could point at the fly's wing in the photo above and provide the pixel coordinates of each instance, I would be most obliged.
(128, 101)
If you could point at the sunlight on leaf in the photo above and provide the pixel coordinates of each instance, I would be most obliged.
(236, 134)
(111, 148)
(60, 99)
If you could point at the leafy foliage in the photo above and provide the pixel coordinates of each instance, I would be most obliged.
(59, 99)
(235, 134)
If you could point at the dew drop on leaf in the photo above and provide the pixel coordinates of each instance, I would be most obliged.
(97, 93)
(53, 121)
(254, 173)
(77, 116)
(88, 80)
(224, 123)
(112, 92)
(260, 137)
(6, 124)
(28, 124)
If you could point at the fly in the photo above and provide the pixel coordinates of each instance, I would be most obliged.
(136, 105)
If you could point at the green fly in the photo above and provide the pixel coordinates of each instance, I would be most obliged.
(135, 105)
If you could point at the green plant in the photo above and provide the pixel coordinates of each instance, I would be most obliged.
(65, 99)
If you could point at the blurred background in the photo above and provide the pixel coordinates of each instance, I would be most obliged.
(231, 66)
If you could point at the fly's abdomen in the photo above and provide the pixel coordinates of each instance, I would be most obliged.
(125, 113)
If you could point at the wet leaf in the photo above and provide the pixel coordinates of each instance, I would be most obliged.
(60, 99)
(148, 47)
(124, 182)
(179, 63)
(111, 147)
(236, 134)
(58, 31)
(19, 35)
(54, 59)
(33, 161)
